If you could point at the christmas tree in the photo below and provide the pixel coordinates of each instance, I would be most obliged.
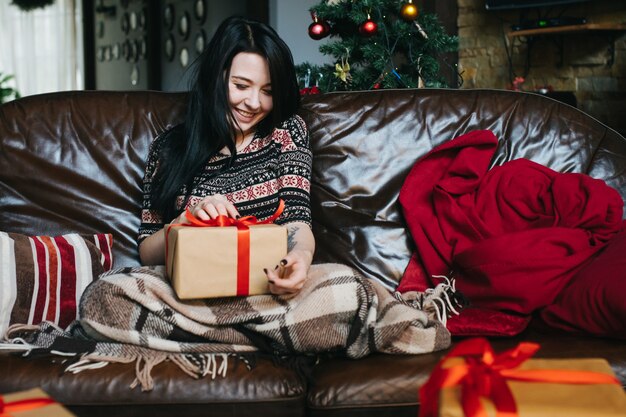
(375, 44)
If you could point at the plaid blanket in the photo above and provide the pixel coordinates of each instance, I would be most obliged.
(133, 315)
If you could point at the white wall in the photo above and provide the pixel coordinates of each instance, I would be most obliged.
(291, 19)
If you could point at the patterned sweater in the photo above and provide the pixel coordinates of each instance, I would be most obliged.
(270, 168)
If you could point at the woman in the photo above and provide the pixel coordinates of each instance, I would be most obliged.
(240, 150)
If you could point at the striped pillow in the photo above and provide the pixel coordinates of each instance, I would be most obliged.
(43, 277)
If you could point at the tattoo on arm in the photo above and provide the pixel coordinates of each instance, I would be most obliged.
(291, 238)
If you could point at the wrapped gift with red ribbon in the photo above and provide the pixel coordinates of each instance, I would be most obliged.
(32, 403)
(473, 381)
(223, 257)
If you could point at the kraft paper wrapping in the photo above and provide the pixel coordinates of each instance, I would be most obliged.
(202, 261)
(49, 410)
(534, 399)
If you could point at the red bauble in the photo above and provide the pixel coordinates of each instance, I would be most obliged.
(368, 28)
(319, 29)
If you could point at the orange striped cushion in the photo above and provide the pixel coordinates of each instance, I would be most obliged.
(43, 277)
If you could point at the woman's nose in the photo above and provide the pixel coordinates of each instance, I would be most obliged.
(253, 101)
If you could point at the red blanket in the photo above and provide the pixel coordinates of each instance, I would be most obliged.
(513, 235)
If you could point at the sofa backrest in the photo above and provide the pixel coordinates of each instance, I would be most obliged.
(364, 144)
(73, 161)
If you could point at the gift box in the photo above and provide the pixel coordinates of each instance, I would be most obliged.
(223, 257)
(473, 381)
(32, 403)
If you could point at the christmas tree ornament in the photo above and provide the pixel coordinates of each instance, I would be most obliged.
(319, 29)
(377, 84)
(420, 30)
(420, 80)
(408, 11)
(342, 71)
(368, 28)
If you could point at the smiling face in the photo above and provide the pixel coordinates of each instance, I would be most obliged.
(249, 92)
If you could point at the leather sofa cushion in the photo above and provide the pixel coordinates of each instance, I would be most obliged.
(265, 388)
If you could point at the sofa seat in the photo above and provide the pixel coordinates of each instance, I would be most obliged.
(381, 385)
(266, 389)
(344, 387)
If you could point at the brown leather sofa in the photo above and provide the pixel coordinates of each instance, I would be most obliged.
(73, 162)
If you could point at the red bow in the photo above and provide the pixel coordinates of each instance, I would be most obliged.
(223, 221)
(485, 374)
(6, 408)
(243, 239)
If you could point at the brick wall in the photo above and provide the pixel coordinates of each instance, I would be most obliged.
(576, 62)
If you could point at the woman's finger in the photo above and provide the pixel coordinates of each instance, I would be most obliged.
(232, 211)
(210, 210)
(201, 213)
(221, 209)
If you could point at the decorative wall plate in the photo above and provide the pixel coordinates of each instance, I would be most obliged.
(134, 51)
(107, 53)
(142, 19)
(134, 75)
(199, 10)
(200, 41)
(143, 48)
(125, 24)
(126, 50)
(115, 51)
(168, 16)
(133, 21)
(169, 47)
(184, 57)
(183, 25)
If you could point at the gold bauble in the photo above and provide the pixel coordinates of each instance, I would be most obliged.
(408, 12)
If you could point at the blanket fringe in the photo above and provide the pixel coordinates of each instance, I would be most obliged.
(11, 343)
(143, 371)
(85, 364)
(443, 301)
(17, 345)
(201, 365)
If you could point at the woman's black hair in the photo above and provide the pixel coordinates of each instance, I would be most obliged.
(209, 125)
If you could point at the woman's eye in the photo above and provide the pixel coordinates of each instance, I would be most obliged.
(241, 86)
(267, 92)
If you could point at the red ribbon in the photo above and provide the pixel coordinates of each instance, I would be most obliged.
(243, 239)
(6, 408)
(485, 374)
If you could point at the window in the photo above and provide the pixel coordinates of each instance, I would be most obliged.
(43, 48)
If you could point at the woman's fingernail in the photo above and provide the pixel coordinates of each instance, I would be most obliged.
(265, 270)
(270, 281)
(237, 216)
(276, 267)
(283, 262)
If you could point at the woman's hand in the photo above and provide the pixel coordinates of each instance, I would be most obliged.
(289, 276)
(210, 207)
